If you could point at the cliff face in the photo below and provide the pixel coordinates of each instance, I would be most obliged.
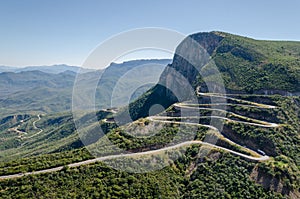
(190, 57)
(245, 65)
(239, 64)
(193, 53)
(178, 81)
(215, 60)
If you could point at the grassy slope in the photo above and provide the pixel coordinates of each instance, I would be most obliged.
(58, 133)
(212, 178)
(247, 65)
(35, 92)
(252, 65)
(284, 141)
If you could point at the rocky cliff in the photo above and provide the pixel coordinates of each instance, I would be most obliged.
(214, 61)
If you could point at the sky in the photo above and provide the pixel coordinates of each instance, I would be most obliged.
(47, 32)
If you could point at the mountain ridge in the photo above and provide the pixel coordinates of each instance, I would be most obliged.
(55, 69)
(48, 92)
(254, 125)
(245, 66)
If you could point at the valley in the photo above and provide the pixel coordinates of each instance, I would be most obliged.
(166, 119)
(234, 137)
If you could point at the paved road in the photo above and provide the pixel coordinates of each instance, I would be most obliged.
(235, 99)
(262, 158)
(35, 127)
(255, 122)
(250, 104)
(23, 132)
(162, 119)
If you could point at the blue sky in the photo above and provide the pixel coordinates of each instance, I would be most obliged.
(46, 32)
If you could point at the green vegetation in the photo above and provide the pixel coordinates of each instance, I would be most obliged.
(135, 137)
(253, 65)
(36, 92)
(58, 135)
(248, 66)
(160, 136)
(44, 161)
(217, 175)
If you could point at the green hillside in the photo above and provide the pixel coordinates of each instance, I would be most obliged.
(245, 66)
(250, 65)
(37, 92)
(184, 176)
(243, 143)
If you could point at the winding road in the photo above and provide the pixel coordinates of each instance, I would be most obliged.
(262, 158)
(225, 96)
(35, 127)
(165, 119)
(254, 121)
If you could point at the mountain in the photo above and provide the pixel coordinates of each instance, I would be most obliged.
(266, 72)
(7, 69)
(243, 65)
(55, 69)
(229, 129)
(118, 78)
(32, 91)
(27, 80)
(38, 91)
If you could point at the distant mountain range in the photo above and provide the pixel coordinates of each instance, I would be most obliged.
(47, 89)
(55, 69)
(261, 117)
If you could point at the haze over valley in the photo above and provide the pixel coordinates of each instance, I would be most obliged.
(149, 100)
